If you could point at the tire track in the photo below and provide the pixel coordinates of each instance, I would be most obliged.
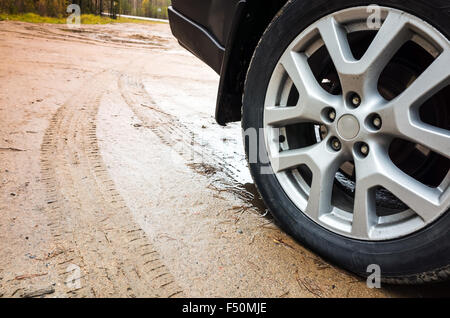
(89, 220)
(71, 35)
(166, 126)
(176, 135)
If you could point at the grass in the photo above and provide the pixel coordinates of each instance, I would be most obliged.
(85, 19)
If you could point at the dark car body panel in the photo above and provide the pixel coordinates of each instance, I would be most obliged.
(197, 39)
(215, 16)
(223, 34)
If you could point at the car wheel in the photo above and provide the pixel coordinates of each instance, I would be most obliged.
(346, 128)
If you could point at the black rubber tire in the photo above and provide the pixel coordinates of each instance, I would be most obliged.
(421, 257)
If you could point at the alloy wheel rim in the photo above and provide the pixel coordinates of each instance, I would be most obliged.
(358, 125)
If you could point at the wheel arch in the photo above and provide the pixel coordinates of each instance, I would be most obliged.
(250, 20)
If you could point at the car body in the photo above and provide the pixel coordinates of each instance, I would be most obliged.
(223, 34)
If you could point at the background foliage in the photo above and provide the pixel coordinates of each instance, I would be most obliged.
(57, 8)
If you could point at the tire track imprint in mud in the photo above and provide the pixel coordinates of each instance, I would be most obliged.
(82, 36)
(176, 135)
(89, 220)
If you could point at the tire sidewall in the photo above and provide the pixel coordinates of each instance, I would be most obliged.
(423, 251)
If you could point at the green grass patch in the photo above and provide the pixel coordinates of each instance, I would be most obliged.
(85, 19)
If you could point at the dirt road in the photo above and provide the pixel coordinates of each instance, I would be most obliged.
(115, 180)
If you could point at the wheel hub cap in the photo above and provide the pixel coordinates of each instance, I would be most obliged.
(348, 127)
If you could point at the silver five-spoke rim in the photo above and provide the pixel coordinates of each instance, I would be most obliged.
(348, 121)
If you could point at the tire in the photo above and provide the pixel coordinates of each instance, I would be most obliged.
(419, 257)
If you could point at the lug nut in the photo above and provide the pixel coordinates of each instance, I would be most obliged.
(332, 115)
(377, 122)
(364, 150)
(336, 144)
(355, 100)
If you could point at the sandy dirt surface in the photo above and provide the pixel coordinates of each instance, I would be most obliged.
(115, 180)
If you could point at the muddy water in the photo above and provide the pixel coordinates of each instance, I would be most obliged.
(114, 164)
